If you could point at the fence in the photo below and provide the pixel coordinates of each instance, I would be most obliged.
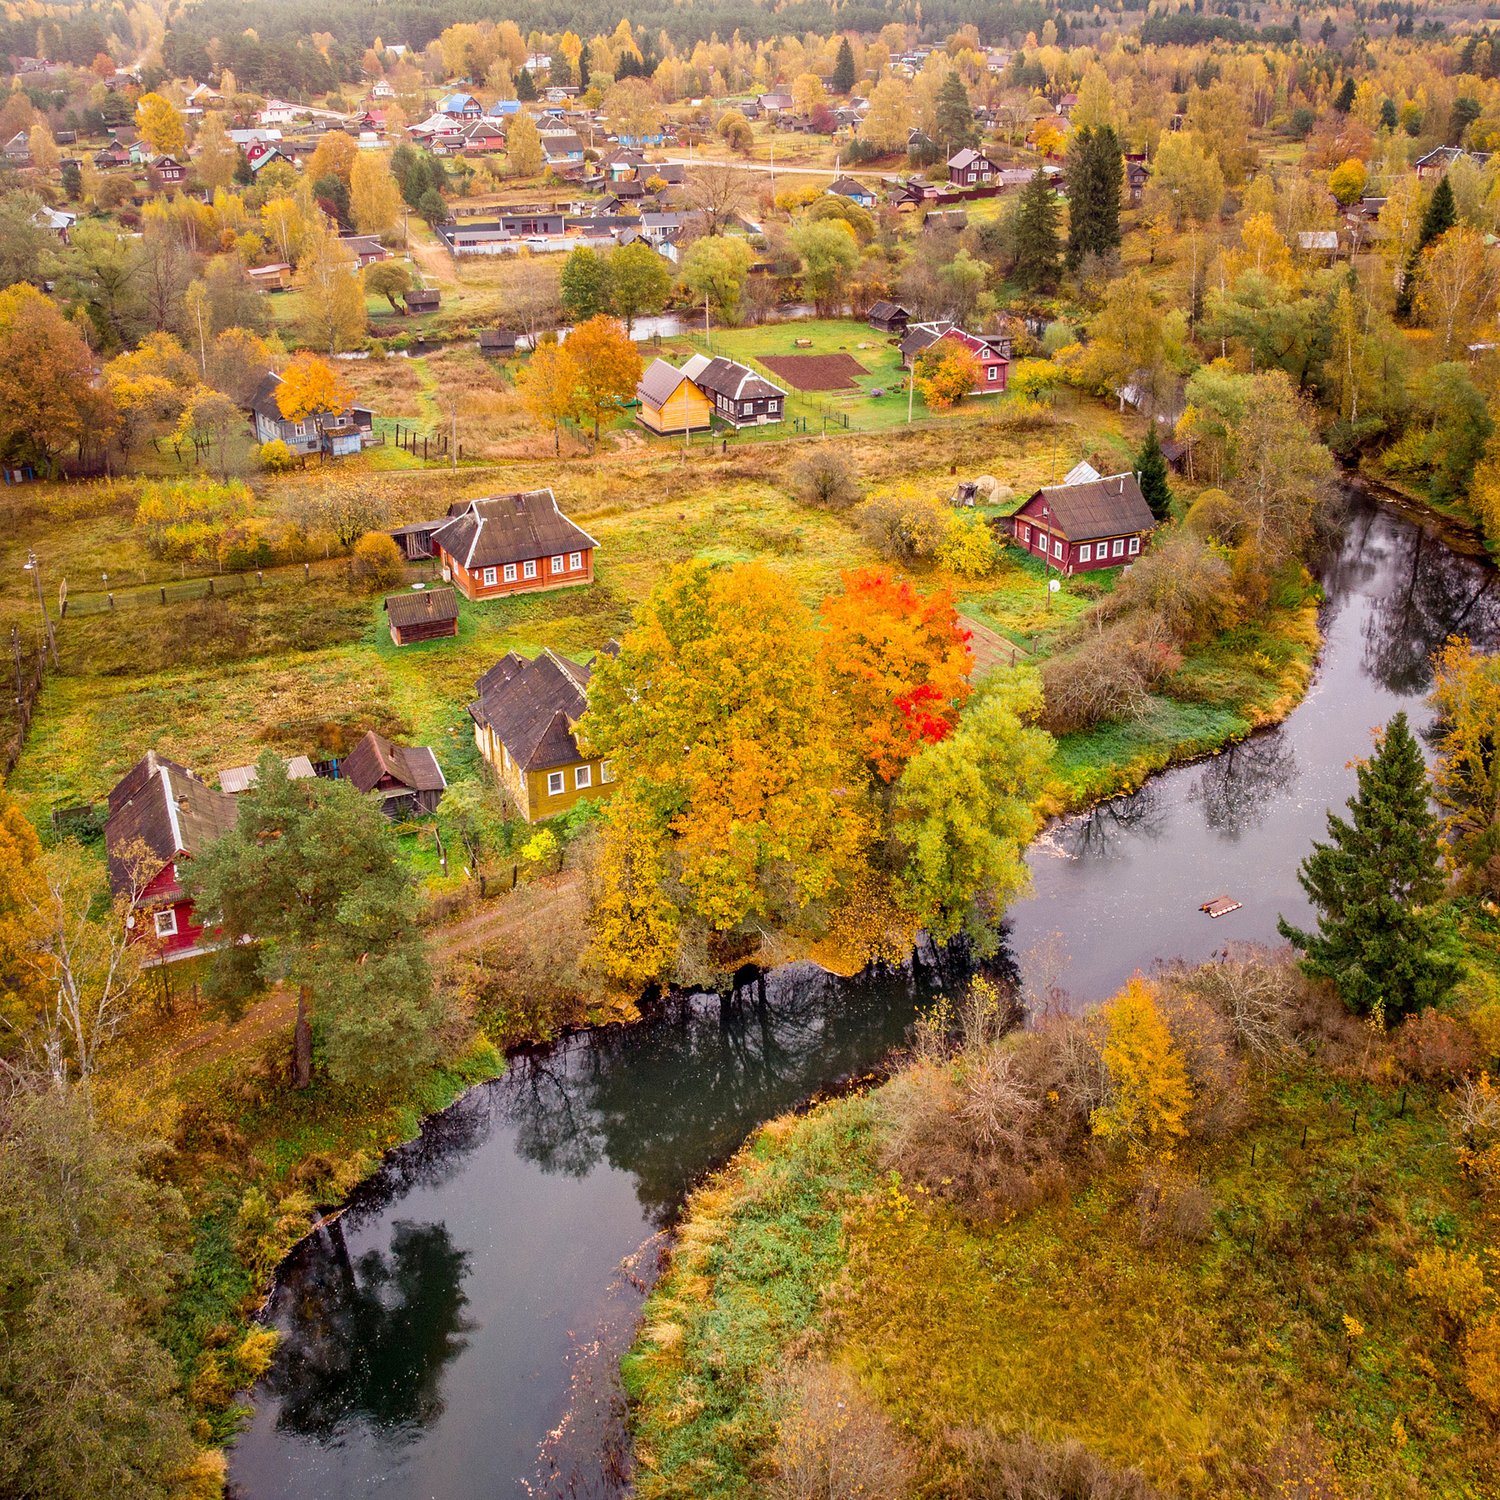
(28, 688)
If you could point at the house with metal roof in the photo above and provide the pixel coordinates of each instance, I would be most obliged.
(526, 716)
(512, 544)
(737, 394)
(1080, 528)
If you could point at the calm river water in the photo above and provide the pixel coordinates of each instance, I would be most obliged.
(455, 1334)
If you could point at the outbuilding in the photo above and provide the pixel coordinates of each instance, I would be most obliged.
(422, 615)
(670, 402)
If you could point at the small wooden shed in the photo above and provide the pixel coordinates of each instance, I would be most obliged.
(422, 615)
(423, 300)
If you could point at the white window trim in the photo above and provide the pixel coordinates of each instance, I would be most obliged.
(1025, 532)
(559, 563)
(557, 783)
(1135, 545)
(1057, 547)
(489, 577)
(606, 772)
(575, 560)
(169, 927)
(1085, 552)
(583, 776)
(528, 569)
(510, 572)
(1119, 547)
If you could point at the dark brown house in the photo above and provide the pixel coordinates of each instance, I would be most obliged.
(422, 615)
(889, 317)
(423, 300)
(498, 343)
(1079, 528)
(406, 778)
(970, 168)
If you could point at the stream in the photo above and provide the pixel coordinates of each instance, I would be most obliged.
(455, 1333)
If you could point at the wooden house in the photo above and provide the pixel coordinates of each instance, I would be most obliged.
(971, 168)
(994, 364)
(737, 394)
(888, 317)
(422, 615)
(160, 815)
(525, 715)
(512, 544)
(461, 107)
(169, 171)
(670, 402)
(405, 778)
(855, 192)
(1079, 528)
(365, 248)
(423, 299)
(335, 433)
(498, 343)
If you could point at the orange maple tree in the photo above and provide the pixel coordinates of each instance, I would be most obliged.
(899, 659)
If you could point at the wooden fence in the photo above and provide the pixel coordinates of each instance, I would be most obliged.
(28, 687)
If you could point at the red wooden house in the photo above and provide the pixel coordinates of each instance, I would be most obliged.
(994, 365)
(512, 544)
(160, 814)
(1100, 523)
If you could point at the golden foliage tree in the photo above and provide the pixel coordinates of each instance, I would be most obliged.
(214, 154)
(160, 124)
(374, 194)
(311, 386)
(607, 366)
(1149, 1090)
(20, 895)
(333, 295)
(523, 146)
(1466, 777)
(549, 387)
(945, 372)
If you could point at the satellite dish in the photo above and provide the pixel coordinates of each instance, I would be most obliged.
(130, 923)
(1053, 584)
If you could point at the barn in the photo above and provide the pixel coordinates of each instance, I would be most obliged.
(422, 615)
(1079, 528)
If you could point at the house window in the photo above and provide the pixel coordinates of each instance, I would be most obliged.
(993, 371)
(1025, 533)
(1119, 547)
(510, 572)
(606, 772)
(166, 922)
(555, 783)
(575, 560)
(557, 564)
(1057, 546)
(489, 576)
(1135, 545)
(582, 776)
(1085, 552)
(528, 569)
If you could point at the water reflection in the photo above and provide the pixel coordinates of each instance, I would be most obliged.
(373, 1334)
(1238, 786)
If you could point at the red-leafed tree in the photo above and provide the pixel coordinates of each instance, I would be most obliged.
(900, 660)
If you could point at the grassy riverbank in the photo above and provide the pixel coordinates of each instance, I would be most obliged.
(1260, 1338)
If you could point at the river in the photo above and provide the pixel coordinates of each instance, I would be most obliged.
(455, 1333)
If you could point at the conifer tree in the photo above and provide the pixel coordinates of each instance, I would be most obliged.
(525, 86)
(1151, 466)
(954, 124)
(1379, 940)
(1095, 164)
(1440, 216)
(1344, 100)
(843, 68)
(1035, 241)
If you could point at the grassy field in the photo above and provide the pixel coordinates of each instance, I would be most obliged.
(1284, 1335)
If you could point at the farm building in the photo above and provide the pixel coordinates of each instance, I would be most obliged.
(970, 168)
(994, 366)
(406, 778)
(1100, 523)
(739, 396)
(525, 714)
(423, 300)
(888, 317)
(237, 779)
(160, 814)
(422, 615)
(498, 343)
(511, 544)
(670, 402)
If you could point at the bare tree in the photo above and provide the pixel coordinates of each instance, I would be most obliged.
(718, 192)
(532, 295)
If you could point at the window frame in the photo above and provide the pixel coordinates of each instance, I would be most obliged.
(1135, 546)
(557, 783)
(1119, 547)
(606, 772)
(1057, 548)
(559, 564)
(489, 578)
(509, 575)
(583, 778)
(170, 913)
(1086, 552)
(528, 568)
(575, 561)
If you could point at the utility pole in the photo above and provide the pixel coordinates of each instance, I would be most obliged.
(453, 433)
(32, 566)
(15, 651)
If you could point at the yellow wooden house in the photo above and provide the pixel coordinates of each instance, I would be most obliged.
(525, 715)
(670, 402)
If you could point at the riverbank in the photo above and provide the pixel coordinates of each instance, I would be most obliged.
(1232, 1318)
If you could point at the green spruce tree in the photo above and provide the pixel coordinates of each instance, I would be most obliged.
(843, 68)
(1151, 466)
(1380, 941)
(954, 128)
(1095, 165)
(1035, 240)
(1344, 99)
(525, 86)
(1439, 217)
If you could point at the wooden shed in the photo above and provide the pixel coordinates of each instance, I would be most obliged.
(670, 402)
(422, 615)
(423, 300)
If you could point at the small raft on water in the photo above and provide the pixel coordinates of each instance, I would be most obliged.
(1220, 906)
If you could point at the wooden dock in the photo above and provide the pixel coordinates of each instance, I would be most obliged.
(1220, 906)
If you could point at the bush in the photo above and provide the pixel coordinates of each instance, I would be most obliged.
(378, 561)
(1107, 679)
(968, 547)
(1482, 1364)
(275, 457)
(1450, 1283)
(903, 527)
(1000, 1468)
(1432, 1047)
(825, 479)
(1022, 414)
(1186, 585)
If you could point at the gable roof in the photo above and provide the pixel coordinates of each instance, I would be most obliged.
(847, 187)
(726, 377)
(500, 529)
(375, 757)
(967, 157)
(532, 706)
(162, 805)
(422, 607)
(888, 310)
(659, 381)
(1112, 506)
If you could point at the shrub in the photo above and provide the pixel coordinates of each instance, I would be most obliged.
(378, 562)
(903, 527)
(1003, 1468)
(825, 479)
(188, 519)
(1482, 1364)
(1107, 679)
(1185, 584)
(1150, 1092)
(968, 547)
(1435, 1048)
(275, 457)
(1450, 1283)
